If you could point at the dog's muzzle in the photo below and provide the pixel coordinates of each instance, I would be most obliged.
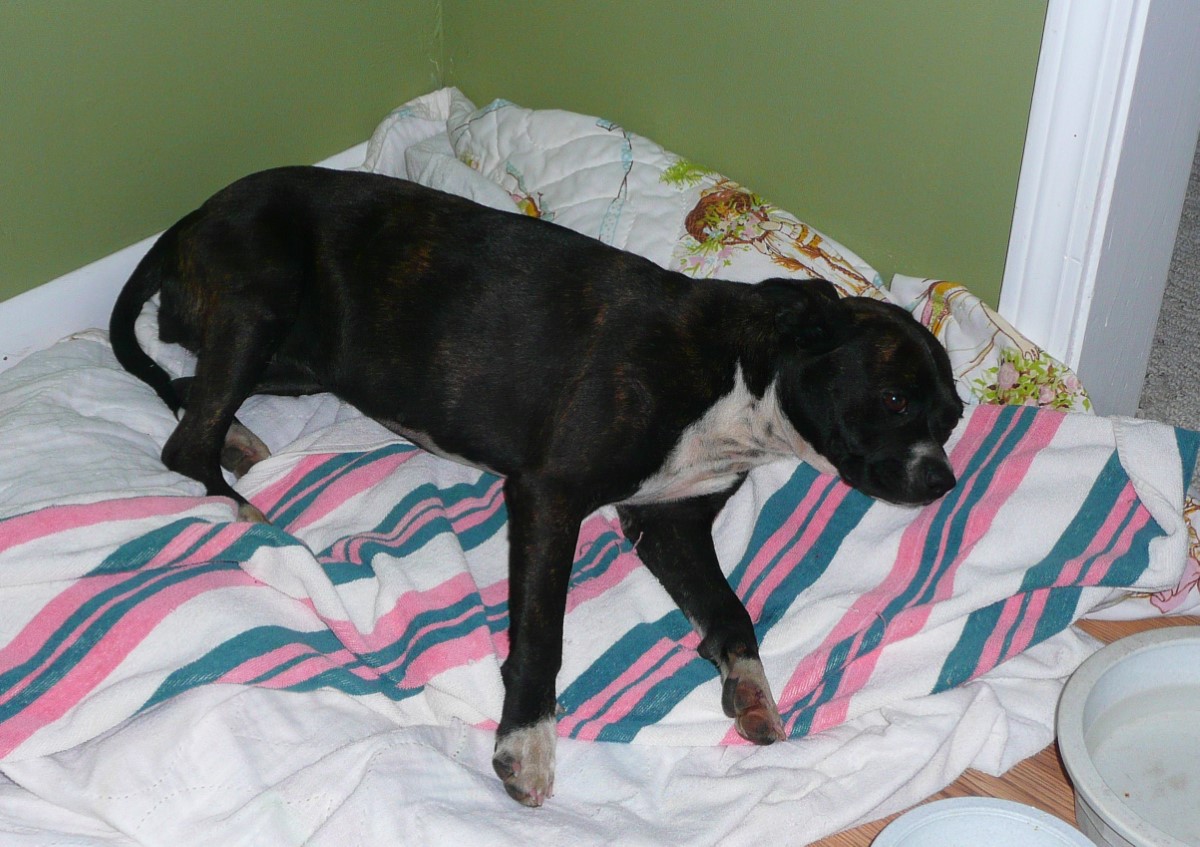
(933, 478)
(915, 480)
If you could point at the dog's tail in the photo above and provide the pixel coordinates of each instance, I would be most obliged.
(145, 281)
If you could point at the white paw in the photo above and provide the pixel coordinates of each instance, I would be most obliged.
(524, 760)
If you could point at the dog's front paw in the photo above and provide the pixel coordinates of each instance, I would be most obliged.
(524, 760)
(746, 697)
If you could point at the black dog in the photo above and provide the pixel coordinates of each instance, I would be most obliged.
(584, 375)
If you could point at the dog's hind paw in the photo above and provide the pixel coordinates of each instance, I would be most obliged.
(524, 761)
(250, 513)
(747, 699)
(243, 450)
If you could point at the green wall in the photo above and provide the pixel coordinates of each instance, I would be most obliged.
(119, 116)
(896, 126)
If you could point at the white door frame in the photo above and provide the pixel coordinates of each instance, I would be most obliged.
(1112, 133)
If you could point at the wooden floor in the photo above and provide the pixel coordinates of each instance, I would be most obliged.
(1038, 781)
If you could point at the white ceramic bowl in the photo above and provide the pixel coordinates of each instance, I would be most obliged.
(978, 822)
(1129, 734)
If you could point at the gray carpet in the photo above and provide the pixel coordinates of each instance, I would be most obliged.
(1171, 392)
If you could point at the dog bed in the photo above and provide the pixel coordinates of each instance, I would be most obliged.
(171, 676)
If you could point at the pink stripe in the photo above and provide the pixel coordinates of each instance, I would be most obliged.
(412, 644)
(344, 484)
(270, 497)
(434, 660)
(210, 550)
(256, 666)
(638, 679)
(788, 563)
(54, 616)
(1097, 573)
(302, 671)
(349, 550)
(495, 594)
(51, 618)
(809, 675)
(1127, 506)
(493, 496)
(989, 656)
(783, 536)
(405, 610)
(470, 648)
(96, 665)
(55, 519)
(613, 575)
(335, 488)
(493, 500)
(1070, 573)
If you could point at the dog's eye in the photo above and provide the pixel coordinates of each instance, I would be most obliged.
(895, 402)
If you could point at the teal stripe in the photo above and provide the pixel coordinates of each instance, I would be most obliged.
(667, 693)
(1079, 533)
(332, 468)
(326, 474)
(439, 630)
(813, 564)
(263, 640)
(80, 642)
(658, 701)
(138, 553)
(1188, 443)
(132, 558)
(1062, 604)
(259, 641)
(964, 656)
(774, 513)
(404, 513)
(948, 525)
(598, 557)
(615, 661)
(1061, 608)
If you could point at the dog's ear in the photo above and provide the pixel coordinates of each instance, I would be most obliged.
(807, 312)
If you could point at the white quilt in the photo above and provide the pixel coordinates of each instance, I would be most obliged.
(168, 676)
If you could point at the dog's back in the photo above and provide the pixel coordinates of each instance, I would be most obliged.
(384, 291)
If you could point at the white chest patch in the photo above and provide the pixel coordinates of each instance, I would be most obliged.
(737, 433)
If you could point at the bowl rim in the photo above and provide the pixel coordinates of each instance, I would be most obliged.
(907, 823)
(1087, 781)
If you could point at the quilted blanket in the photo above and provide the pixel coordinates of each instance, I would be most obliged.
(379, 586)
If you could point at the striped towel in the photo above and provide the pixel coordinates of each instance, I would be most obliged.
(382, 577)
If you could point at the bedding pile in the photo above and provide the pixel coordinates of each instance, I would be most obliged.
(171, 676)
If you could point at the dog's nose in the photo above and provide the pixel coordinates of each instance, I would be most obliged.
(938, 478)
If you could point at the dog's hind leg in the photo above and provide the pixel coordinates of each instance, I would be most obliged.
(543, 526)
(674, 540)
(243, 449)
(236, 351)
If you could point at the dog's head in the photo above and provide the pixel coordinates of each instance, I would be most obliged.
(870, 390)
